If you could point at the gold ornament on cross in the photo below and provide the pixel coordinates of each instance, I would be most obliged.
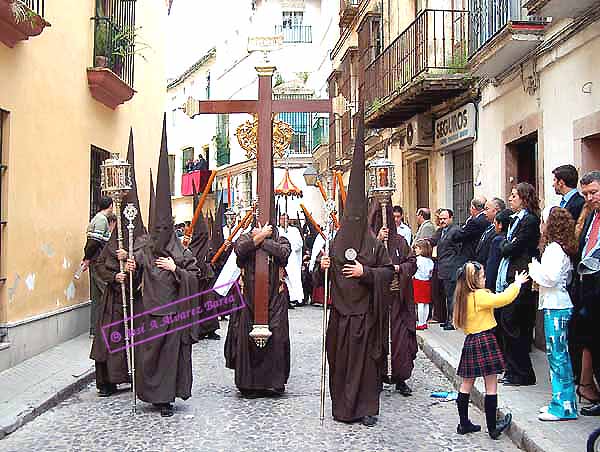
(247, 133)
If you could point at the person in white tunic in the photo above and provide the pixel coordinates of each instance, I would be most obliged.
(293, 270)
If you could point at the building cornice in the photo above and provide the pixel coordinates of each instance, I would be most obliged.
(192, 69)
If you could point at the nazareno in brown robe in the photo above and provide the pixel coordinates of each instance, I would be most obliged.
(355, 334)
(267, 368)
(400, 304)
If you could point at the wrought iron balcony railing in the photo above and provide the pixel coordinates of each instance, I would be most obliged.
(488, 17)
(115, 37)
(435, 42)
(295, 34)
(37, 6)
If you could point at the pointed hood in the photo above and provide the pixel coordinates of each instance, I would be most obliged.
(200, 241)
(130, 198)
(217, 238)
(354, 226)
(162, 225)
(152, 203)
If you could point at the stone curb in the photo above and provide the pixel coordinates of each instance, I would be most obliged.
(10, 424)
(440, 358)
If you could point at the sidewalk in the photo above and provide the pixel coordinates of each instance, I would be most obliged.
(36, 385)
(527, 432)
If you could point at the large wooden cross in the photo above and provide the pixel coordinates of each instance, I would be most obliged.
(264, 108)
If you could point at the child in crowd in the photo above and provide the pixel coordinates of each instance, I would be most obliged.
(422, 281)
(481, 357)
(553, 274)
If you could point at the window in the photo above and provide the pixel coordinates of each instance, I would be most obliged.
(292, 19)
(3, 167)
(222, 139)
(98, 156)
(186, 154)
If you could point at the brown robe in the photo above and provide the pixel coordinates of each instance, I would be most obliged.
(111, 368)
(257, 368)
(402, 309)
(356, 333)
(164, 364)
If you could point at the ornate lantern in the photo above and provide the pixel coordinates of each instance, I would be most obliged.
(115, 178)
(382, 179)
(230, 217)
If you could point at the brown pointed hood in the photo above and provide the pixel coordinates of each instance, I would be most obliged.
(152, 203)
(199, 244)
(217, 238)
(162, 225)
(354, 226)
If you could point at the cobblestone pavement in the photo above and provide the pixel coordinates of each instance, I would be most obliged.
(216, 418)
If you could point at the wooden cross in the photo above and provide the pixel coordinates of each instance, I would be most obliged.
(264, 108)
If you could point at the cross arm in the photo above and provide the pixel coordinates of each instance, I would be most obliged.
(194, 107)
(302, 106)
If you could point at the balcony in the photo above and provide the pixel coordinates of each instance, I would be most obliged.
(110, 78)
(194, 180)
(348, 11)
(422, 67)
(500, 35)
(557, 9)
(320, 131)
(21, 20)
(296, 34)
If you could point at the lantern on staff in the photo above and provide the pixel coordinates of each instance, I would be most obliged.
(382, 180)
(287, 189)
(115, 178)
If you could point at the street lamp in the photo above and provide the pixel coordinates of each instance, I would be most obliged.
(310, 175)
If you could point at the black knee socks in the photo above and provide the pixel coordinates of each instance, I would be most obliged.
(462, 403)
(491, 404)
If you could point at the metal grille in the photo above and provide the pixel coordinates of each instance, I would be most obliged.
(295, 34)
(3, 118)
(462, 184)
(37, 6)
(488, 17)
(300, 122)
(115, 37)
(435, 40)
(97, 158)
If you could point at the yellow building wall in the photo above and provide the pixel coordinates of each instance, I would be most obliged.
(53, 121)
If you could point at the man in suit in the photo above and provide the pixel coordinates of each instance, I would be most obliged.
(587, 312)
(426, 227)
(449, 259)
(492, 208)
(564, 182)
(470, 234)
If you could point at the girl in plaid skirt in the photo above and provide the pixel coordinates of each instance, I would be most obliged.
(481, 357)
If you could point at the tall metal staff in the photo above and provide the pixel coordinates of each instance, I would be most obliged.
(116, 182)
(330, 208)
(130, 213)
(382, 186)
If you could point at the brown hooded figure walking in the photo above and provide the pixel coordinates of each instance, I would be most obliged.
(167, 273)
(261, 371)
(356, 330)
(400, 304)
(111, 368)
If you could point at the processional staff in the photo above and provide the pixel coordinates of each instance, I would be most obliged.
(130, 213)
(116, 182)
(382, 183)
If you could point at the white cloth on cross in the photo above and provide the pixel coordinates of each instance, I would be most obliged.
(318, 245)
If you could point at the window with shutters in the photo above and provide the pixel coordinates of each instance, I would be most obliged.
(222, 140)
(98, 156)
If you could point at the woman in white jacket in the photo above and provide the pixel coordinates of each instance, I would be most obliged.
(553, 274)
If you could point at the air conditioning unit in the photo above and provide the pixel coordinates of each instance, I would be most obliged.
(419, 132)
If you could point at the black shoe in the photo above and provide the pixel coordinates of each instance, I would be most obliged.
(403, 389)
(504, 379)
(213, 336)
(442, 325)
(369, 421)
(593, 410)
(249, 394)
(469, 428)
(107, 390)
(291, 305)
(512, 382)
(166, 410)
(278, 391)
(449, 327)
(386, 379)
(501, 425)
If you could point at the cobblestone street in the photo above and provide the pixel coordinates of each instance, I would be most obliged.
(216, 418)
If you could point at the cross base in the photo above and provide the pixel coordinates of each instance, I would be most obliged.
(260, 334)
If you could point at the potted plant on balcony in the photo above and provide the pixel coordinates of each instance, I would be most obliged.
(126, 43)
(101, 47)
